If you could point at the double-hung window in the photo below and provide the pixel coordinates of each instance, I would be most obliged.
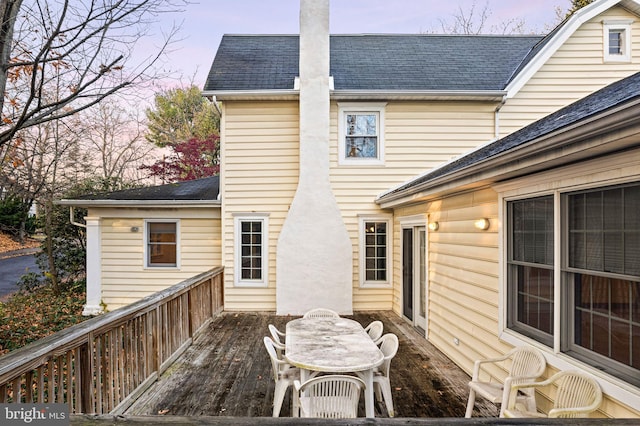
(601, 278)
(161, 245)
(361, 134)
(530, 267)
(251, 248)
(374, 250)
(597, 239)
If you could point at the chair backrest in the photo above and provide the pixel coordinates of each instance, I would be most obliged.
(321, 313)
(276, 362)
(575, 390)
(374, 330)
(389, 347)
(527, 362)
(333, 396)
(275, 334)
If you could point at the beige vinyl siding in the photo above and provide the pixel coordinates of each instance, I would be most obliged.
(418, 137)
(260, 173)
(463, 276)
(576, 70)
(125, 279)
(260, 169)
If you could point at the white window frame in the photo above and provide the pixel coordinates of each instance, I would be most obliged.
(361, 108)
(625, 28)
(238, 220)
(147, 265)
(558, 184)
(388, 219)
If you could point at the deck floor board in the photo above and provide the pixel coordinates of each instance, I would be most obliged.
(227, 372)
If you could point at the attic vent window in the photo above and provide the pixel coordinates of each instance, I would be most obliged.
(617, 41)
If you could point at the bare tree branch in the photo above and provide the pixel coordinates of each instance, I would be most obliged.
(83, 48)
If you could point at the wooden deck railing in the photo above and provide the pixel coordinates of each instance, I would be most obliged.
(102, 365)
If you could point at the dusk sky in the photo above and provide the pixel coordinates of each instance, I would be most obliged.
(205, 21)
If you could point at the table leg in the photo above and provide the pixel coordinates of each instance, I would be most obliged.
(367, 376)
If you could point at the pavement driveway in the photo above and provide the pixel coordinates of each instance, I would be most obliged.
(13, 266)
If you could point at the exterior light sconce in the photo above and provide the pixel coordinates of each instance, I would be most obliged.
(482, 224)
(134, 229)
(433, 226)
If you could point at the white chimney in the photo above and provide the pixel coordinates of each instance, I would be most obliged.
(314, 253)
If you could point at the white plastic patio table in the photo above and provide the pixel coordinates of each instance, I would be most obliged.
(333, 345)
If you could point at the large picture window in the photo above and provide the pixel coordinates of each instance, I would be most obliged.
(251, 250)
(598, 284)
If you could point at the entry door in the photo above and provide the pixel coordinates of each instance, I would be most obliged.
(414, 283)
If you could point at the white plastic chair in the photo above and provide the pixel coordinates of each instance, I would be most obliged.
(374, 330)
(277, 335)
(381, 384)
(333, 396)
(321, 313)
(284, 375)
(527, 364)
(577, 395)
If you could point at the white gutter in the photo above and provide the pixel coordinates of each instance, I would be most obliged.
(474, 95)
(140, 203)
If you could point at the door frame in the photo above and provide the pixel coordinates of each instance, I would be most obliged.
(415, 222)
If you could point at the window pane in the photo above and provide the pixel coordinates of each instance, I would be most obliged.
(615, 42)
(162, 232)
(375, 251)
(606, 314)
(535, 298)
(361, 147)
(161, 244)
(361, 135)
(251, 250)
(603, 230)
(532, 230)
(530, 278)
(162, 254)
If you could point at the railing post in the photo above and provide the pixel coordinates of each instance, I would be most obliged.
(86, 377)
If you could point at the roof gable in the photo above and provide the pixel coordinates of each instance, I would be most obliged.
(541, 53)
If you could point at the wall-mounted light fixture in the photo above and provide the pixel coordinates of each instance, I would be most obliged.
(482, 224)
(134, 229)
(433, 226)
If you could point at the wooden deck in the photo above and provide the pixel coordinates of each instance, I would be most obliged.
(227, 372)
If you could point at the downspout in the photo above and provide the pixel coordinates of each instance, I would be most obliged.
(72, 218)
(496, 118)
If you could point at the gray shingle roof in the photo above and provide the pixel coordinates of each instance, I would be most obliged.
(200, 189)
(611, 96)
(374, 62)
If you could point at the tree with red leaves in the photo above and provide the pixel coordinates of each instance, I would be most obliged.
(191, 159)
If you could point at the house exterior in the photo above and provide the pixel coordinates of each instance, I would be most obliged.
(436, 176)
(140, 241)
(534, 239)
